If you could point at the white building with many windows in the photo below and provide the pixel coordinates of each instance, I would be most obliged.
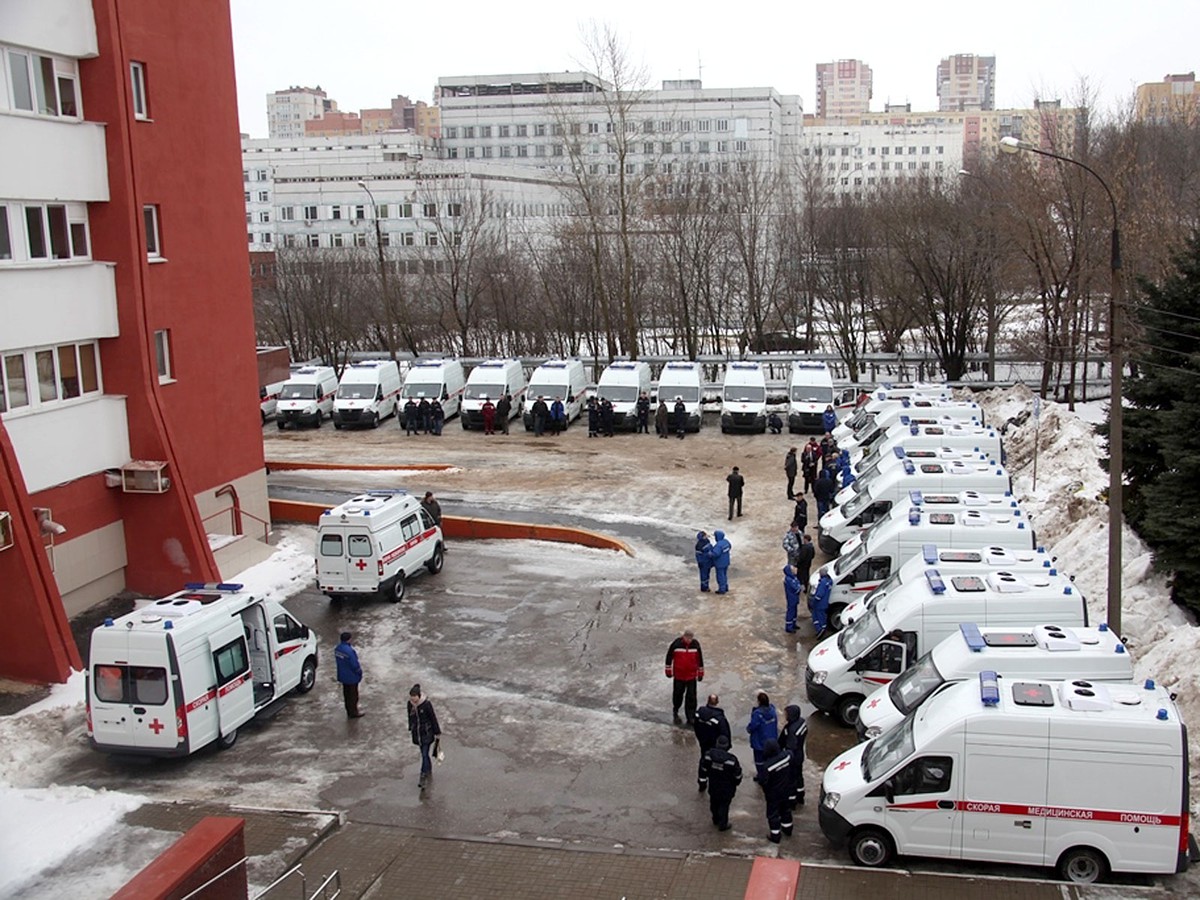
(859, 159)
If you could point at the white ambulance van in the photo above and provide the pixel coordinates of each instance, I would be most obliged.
(268, 399)
(367, 393)
(917, 411)
(913, 436)
(866, 502)
(561, 378)
(882, 398)
(491, 380)
(683, 380)
(371, 543)
(180, 673)
(441, 378)
(744, 398)
(811, 389)
(621, 383)
(871, 556)
(844, 668)
(307, 396)
(1086, 777)
(949, 561)
(1044, 651)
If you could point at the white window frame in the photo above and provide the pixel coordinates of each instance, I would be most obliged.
(31, 66)
(152, 222)
(137, 84)
(162, 356)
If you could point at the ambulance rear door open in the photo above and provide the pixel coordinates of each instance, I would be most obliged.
(234, 685)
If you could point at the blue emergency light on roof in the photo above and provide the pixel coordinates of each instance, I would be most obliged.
(909, 468)
(904, 420)
(556, 364)
(1120, 648)
(1067, 591)
(168, 625)
(973, 637)
(929, 551)
(989, 688)
(738, 365)
(210, 586)
(881, 396)
(108, 622)
(1020, 525)
(914, 428)
(1053, 571)
(914, 516)
(934, 577)
(622, 365)
(899, 451)
(1162, 715)
(916, 498)
(1102, 627)
(905, 403)
(1149, 684)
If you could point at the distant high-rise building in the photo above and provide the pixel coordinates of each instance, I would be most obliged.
(288, 110)
(1174, 99)
(966, 82)
(843, 88)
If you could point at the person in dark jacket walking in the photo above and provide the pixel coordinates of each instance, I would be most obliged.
(704, 561)
(790, 468)
(430, 505)
(411, 417)
(606, 416)
(791, 592)
(349, 674)
(804, 561)
(423, 414)
(685, 665)
(720, 557)
(724, 773)
(503, 411)
(424, 728)
(776, 783)
(710, 724)
(540, 413)
(680, 418)
(643, 414)
(823, 491)
(763, 727)
(737, 484)
(800, 513)
(661, 418)
(437, 417)
(593, 414)
(810, 461)
(792, 739)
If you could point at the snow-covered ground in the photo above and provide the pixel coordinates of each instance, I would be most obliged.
(44, 825)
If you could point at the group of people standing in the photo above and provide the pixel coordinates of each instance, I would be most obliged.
(426, 416)
(778, 752)
(552, 415)
(497, 413)
(713, 555)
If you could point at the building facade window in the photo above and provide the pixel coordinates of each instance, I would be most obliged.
(137, 81)
(43, 85)
(162, 355)
(153, 238)
(310, 213)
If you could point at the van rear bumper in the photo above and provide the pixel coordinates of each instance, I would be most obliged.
(181, 749)
(835, 828)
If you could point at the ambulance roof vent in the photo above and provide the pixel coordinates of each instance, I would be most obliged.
(998, 555)
(974, 517)
(1051, 637)
(1007, 583)
(177, 607)
(1085, 696)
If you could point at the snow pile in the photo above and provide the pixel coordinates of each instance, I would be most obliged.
(1069, 512)
(43, 828)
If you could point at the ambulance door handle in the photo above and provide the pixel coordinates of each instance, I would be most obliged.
(1023, 823)
(945, 804)
(139, 710)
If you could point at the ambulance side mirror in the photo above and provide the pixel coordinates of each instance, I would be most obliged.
(304, 631)
(889, 791)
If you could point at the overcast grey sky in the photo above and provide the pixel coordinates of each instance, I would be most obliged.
(364, 52)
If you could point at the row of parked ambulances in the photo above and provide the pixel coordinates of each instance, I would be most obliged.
(996, 723)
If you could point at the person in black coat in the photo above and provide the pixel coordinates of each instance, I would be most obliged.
(804, 560)
(424, 728)
(792, 739)
(593, 413)
(823, 491)
(723, 773)
(540, 412)
(423, 414)
(680, 418)
(411, 417)
(710, 723)
(776, 784)
(810, 460)
(736, 485)
(800, 513)
(643, 414)
(437, 417)
(606, 416)
(790, 468)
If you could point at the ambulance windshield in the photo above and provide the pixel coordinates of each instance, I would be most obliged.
(689, 393)
(860, 416)
(860, 637)
(480, 391)
(848, 562)
(911, 688)
(417, 390)
(745, 393)
(356, 391)
(618, 393)
(298, 391)
(867, 469)
(863, 428)
(856, 504)
(888, 750)
(812, 393)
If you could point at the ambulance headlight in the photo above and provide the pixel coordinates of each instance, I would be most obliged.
(873, 732)
(831, 799)
(819, 677)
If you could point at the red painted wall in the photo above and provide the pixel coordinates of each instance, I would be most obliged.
(187, 161)
(214, 845)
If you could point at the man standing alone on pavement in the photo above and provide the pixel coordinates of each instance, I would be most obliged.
(431, 506)
(736, 485)
(776, 783)
(790, 467)
(349, 674)
(720, 556)
(643, 414)
(724, 773)
(791, 592)
(685, 665)
(804, 561)
(710, 724)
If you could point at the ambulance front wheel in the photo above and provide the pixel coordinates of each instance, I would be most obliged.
(225, 741)
(847, 709)
(308, 676)
(1082, 865)
(871, 848)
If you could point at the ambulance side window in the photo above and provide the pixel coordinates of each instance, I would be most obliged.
(426, 520)
(230, 661)
(927, 775)
(876, 568)
(331, 545)
(287, 628)
(411, 528)
(359, 545)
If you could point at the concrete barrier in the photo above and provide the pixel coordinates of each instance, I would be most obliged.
(282, 465)
(211, 853)
(470, 527)
(773, 879)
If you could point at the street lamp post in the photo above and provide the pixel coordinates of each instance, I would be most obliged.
(1116, 413)
(387, 300)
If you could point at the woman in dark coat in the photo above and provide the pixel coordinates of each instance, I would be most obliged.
(424, 728)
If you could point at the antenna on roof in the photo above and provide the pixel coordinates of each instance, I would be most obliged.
(700, 69)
